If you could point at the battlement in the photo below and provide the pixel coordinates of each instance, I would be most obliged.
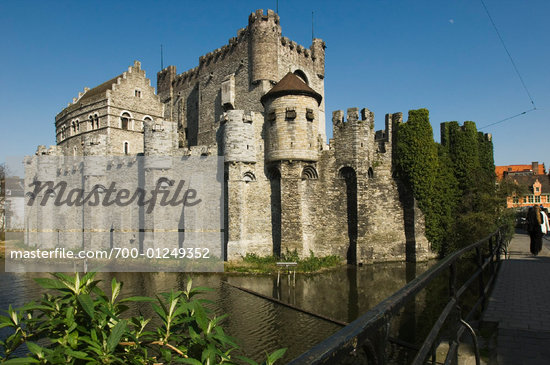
(259, 15)
(339, 120)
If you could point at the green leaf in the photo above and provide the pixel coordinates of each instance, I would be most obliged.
(158, 310)
(34, 348)
(48, 283)
(78, 354)
(115, 289)
(67, 280)
(22, 361)
(137, 299)
(116, 334)
(274, 356)
(247, 360)
(87, 304)
(189, 361)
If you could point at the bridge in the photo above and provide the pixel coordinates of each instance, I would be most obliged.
(520, 305)
(494, 283)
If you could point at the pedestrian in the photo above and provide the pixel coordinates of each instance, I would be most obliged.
(534, 222)
(545, 227)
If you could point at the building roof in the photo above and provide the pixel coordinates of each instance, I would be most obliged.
(529, 180)
(501, 170)
(291, 85)
(107, 85)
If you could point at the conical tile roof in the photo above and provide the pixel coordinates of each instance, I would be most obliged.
(291, 85)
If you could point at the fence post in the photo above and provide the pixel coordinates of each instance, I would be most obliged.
(492, 264)
(481, 286)
(455, 316)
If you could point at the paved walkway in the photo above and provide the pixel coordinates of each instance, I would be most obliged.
(520, 303)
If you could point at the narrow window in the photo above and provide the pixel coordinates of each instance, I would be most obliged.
(137, 93)
(126, 148)
(125, 121)
(290, 114)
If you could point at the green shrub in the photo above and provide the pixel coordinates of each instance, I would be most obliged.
(80, 324)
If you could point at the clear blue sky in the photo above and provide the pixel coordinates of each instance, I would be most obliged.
(386, 55)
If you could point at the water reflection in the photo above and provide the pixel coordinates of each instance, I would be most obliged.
(261, 325)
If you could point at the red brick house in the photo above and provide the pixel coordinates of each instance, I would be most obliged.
(533, 177)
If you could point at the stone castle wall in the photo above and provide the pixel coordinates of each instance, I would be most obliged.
(285, 188)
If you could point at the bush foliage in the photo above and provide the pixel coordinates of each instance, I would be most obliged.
(453, 182)
(80, 324)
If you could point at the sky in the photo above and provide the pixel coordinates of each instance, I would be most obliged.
(386, 55)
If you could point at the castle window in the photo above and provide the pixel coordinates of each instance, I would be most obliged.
(516, 200)
(126, 148)
(370, 173)
(164, 183)
(77, 124)
(309, 114)
(137, 93)
(91, 122)
(73, 127)
(302, 76)
(290, 114)
(537, 199)
(125, 121)
(249, 176)
(309, 173)
(145, 120)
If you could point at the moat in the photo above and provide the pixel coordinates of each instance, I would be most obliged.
(260, 325)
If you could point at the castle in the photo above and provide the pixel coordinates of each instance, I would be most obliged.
(259, 102)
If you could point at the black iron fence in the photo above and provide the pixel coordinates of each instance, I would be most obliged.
(367, 339)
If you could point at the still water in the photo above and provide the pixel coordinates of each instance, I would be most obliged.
(258, 324)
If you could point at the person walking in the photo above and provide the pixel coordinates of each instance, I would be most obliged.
(534, 222)
(545, 227)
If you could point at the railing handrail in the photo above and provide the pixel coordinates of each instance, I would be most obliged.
(349, 336)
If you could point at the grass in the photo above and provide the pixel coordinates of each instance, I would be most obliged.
(256, 264)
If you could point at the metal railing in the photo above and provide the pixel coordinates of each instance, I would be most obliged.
(366, 339)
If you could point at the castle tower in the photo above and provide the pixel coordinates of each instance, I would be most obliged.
(292, 112)
(265, 32)
(318, 55)
(238, 137)
(292, 145)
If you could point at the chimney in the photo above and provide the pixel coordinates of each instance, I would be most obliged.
(535, 168)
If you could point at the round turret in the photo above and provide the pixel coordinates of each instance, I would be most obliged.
(292, 118)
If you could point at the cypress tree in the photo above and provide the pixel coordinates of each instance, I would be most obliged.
(417, 164)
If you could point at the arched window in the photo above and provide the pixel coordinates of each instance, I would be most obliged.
(126, 148)
(146, 120)
(309, 173)
(125, 121)
(164, 183)
(249, 176)
(96, 119)
(91, 122)
(73, 127)
(302, 76)
(77, 124)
